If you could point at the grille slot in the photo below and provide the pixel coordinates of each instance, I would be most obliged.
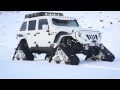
(92, 37)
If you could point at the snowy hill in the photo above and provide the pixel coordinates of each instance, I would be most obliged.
(108, 22)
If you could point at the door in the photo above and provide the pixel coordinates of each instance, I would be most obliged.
(30, 33)
(42, 36)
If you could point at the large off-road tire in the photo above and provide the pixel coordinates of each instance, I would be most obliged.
(22, 52)
(65, 55)
(102, 54)
(74, 61)
(109, 59)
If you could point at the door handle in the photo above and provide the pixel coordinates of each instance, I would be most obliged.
(37, 33)
(28, 33)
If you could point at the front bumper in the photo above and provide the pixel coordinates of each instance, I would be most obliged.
(87, 46)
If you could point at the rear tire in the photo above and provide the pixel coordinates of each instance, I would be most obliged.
(28, 56)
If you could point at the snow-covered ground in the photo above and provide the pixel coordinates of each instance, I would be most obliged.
(108, 22)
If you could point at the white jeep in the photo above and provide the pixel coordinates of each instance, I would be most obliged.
(60, 38)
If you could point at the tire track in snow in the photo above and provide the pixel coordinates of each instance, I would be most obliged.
(100, 67)
(89, 66)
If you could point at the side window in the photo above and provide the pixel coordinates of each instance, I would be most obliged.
(32, 25)
(42, 22)
(23, 27)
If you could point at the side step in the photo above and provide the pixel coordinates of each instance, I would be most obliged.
(72, 57)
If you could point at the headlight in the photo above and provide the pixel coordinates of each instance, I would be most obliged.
(80, 35)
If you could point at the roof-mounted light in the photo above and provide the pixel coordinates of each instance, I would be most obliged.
(43, 14)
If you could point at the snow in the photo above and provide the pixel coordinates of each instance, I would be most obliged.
(41, 69)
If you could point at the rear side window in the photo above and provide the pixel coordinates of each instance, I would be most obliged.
(42, 22)
(23, 27)
(32, 25)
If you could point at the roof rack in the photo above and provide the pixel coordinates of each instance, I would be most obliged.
(43, 14)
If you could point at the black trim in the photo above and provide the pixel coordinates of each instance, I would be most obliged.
(40, 50)
(58, 36)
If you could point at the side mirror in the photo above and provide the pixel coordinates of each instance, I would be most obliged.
(45, 27)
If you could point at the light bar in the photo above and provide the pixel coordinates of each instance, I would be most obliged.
(43, 14)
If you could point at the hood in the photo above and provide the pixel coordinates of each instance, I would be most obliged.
(73, 29)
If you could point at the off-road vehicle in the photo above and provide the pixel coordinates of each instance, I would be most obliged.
(60, 38)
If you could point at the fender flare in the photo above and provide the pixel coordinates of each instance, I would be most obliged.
(58, 36)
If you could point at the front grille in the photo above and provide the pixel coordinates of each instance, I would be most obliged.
(93, 37)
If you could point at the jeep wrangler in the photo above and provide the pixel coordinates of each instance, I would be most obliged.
(60, 38)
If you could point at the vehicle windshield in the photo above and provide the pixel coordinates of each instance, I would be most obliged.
(69, 23)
